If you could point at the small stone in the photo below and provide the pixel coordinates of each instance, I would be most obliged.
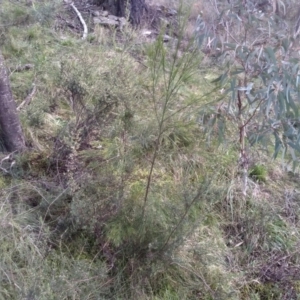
(146, 32)
(96, 13)
(166, 38)
(105, 21)
(171, 12)
(122, 22)
(112, 17)
(104, 13)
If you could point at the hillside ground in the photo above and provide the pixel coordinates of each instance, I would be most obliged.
(120, 194)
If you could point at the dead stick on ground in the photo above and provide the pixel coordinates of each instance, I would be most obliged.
(85, 29)
(28, 98)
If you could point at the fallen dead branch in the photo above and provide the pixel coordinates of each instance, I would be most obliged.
(85, 29)
(28, 98)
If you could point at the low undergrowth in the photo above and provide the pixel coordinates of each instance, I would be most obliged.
(120, 196)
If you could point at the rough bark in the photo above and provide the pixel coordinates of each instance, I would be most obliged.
(297, 25)
(136, 11)
(118, 7)
(10, 127)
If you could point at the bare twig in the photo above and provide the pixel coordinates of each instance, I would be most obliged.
(28, 98)
(9, 158)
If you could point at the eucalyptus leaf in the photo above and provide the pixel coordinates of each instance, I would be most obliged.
(278, 145)
(260, 65)
(270, 53)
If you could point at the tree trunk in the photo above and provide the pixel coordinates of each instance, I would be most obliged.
(120, 8)
(136, 10)
(10, 127)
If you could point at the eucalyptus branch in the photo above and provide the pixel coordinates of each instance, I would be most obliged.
(254, 113)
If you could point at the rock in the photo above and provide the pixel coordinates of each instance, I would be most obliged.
(95, 13)
(171, 12)
(147, 32)
(166, 38)
(122, 22)
(112, 17)
(111, 20)
(104, 13)
(105, 21)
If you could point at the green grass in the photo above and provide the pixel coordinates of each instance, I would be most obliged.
(258, 173)
(77, 220)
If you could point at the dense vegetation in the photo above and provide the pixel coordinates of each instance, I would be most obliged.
(132, 185)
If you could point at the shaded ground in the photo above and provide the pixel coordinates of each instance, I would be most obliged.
(153, 18)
